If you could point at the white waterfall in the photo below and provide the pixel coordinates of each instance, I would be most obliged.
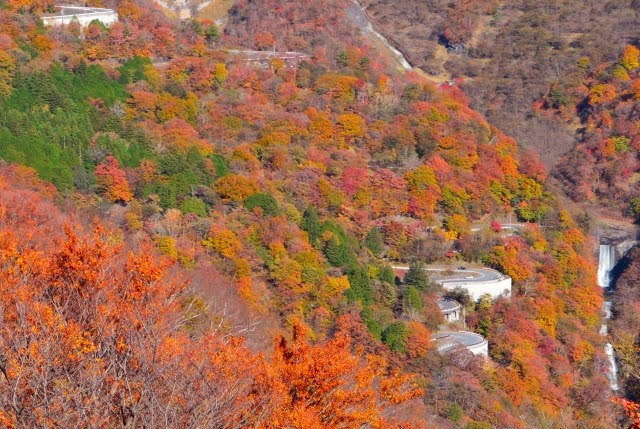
(612, 373)
(607, 309)
(606, 262)
(613, 369)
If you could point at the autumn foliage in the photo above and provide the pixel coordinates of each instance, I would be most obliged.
(286, 191)
(603, 167)
(631, 410)
(112, 181)
(94, 334)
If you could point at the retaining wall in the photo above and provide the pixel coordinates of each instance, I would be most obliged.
(476, 289)
(84, 15)
(449, 341)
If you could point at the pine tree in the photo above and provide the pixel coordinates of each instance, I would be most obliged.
(370, 322)
(334, 252)
(386, 275)
(360, 289)
(311, 224)
(374, 241)
(395, 336)
(342, 59)
(265, 201)
(412, 299)
(416, 276)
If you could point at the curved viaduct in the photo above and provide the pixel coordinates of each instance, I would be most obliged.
(451, 340)
(486, 281)
(476, 281)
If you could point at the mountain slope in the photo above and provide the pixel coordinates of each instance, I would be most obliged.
(286, 188)
(509, 53)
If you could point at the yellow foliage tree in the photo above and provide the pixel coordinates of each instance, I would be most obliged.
(7, 71)
(234, 187)
(223, 240)
(352, 126)
(629, 58)
(602, 93)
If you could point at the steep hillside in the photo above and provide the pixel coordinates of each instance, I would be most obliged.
(100, 333)
(626, 322)
(604, 97)
(509, 53)
(285, 186)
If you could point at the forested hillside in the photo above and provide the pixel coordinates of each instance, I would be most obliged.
(237, 202)
(97, 332)
(627, 325)
(603, 169)
(510, 53)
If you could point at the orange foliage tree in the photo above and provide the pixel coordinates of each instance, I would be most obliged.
(96, 335)
(112, 181)
(328, 387)
(235, 187)
(631, 409)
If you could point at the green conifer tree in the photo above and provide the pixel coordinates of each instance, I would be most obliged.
(416, 276)
(374, 241)
(395, 336)
(334, 252)
(311, 224)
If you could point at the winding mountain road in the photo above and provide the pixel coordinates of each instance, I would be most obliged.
(471, 274)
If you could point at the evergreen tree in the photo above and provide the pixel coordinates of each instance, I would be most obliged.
(173, 163)
(455, 413)
(483, 310)
(370, 322)
(265, 201)
(395, 336)
(348, 257)
(386, 275)
(342, 59)
(360, 289)
(334, 252)
(416, 276)
(212, 33)
(168, 196)
(220, 164)
(412, 300)
(374, 241)
(194, 205)
(311, 224)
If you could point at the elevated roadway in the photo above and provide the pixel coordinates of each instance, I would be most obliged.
(448, 341)
(476, 281)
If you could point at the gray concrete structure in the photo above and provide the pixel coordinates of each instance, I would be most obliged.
(451, 309)
(449, 341)
(476, 281)
(479, 282)
(264, 58)
(84, 15)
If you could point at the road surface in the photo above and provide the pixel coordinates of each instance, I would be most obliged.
(450, 340)
(468, 274)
